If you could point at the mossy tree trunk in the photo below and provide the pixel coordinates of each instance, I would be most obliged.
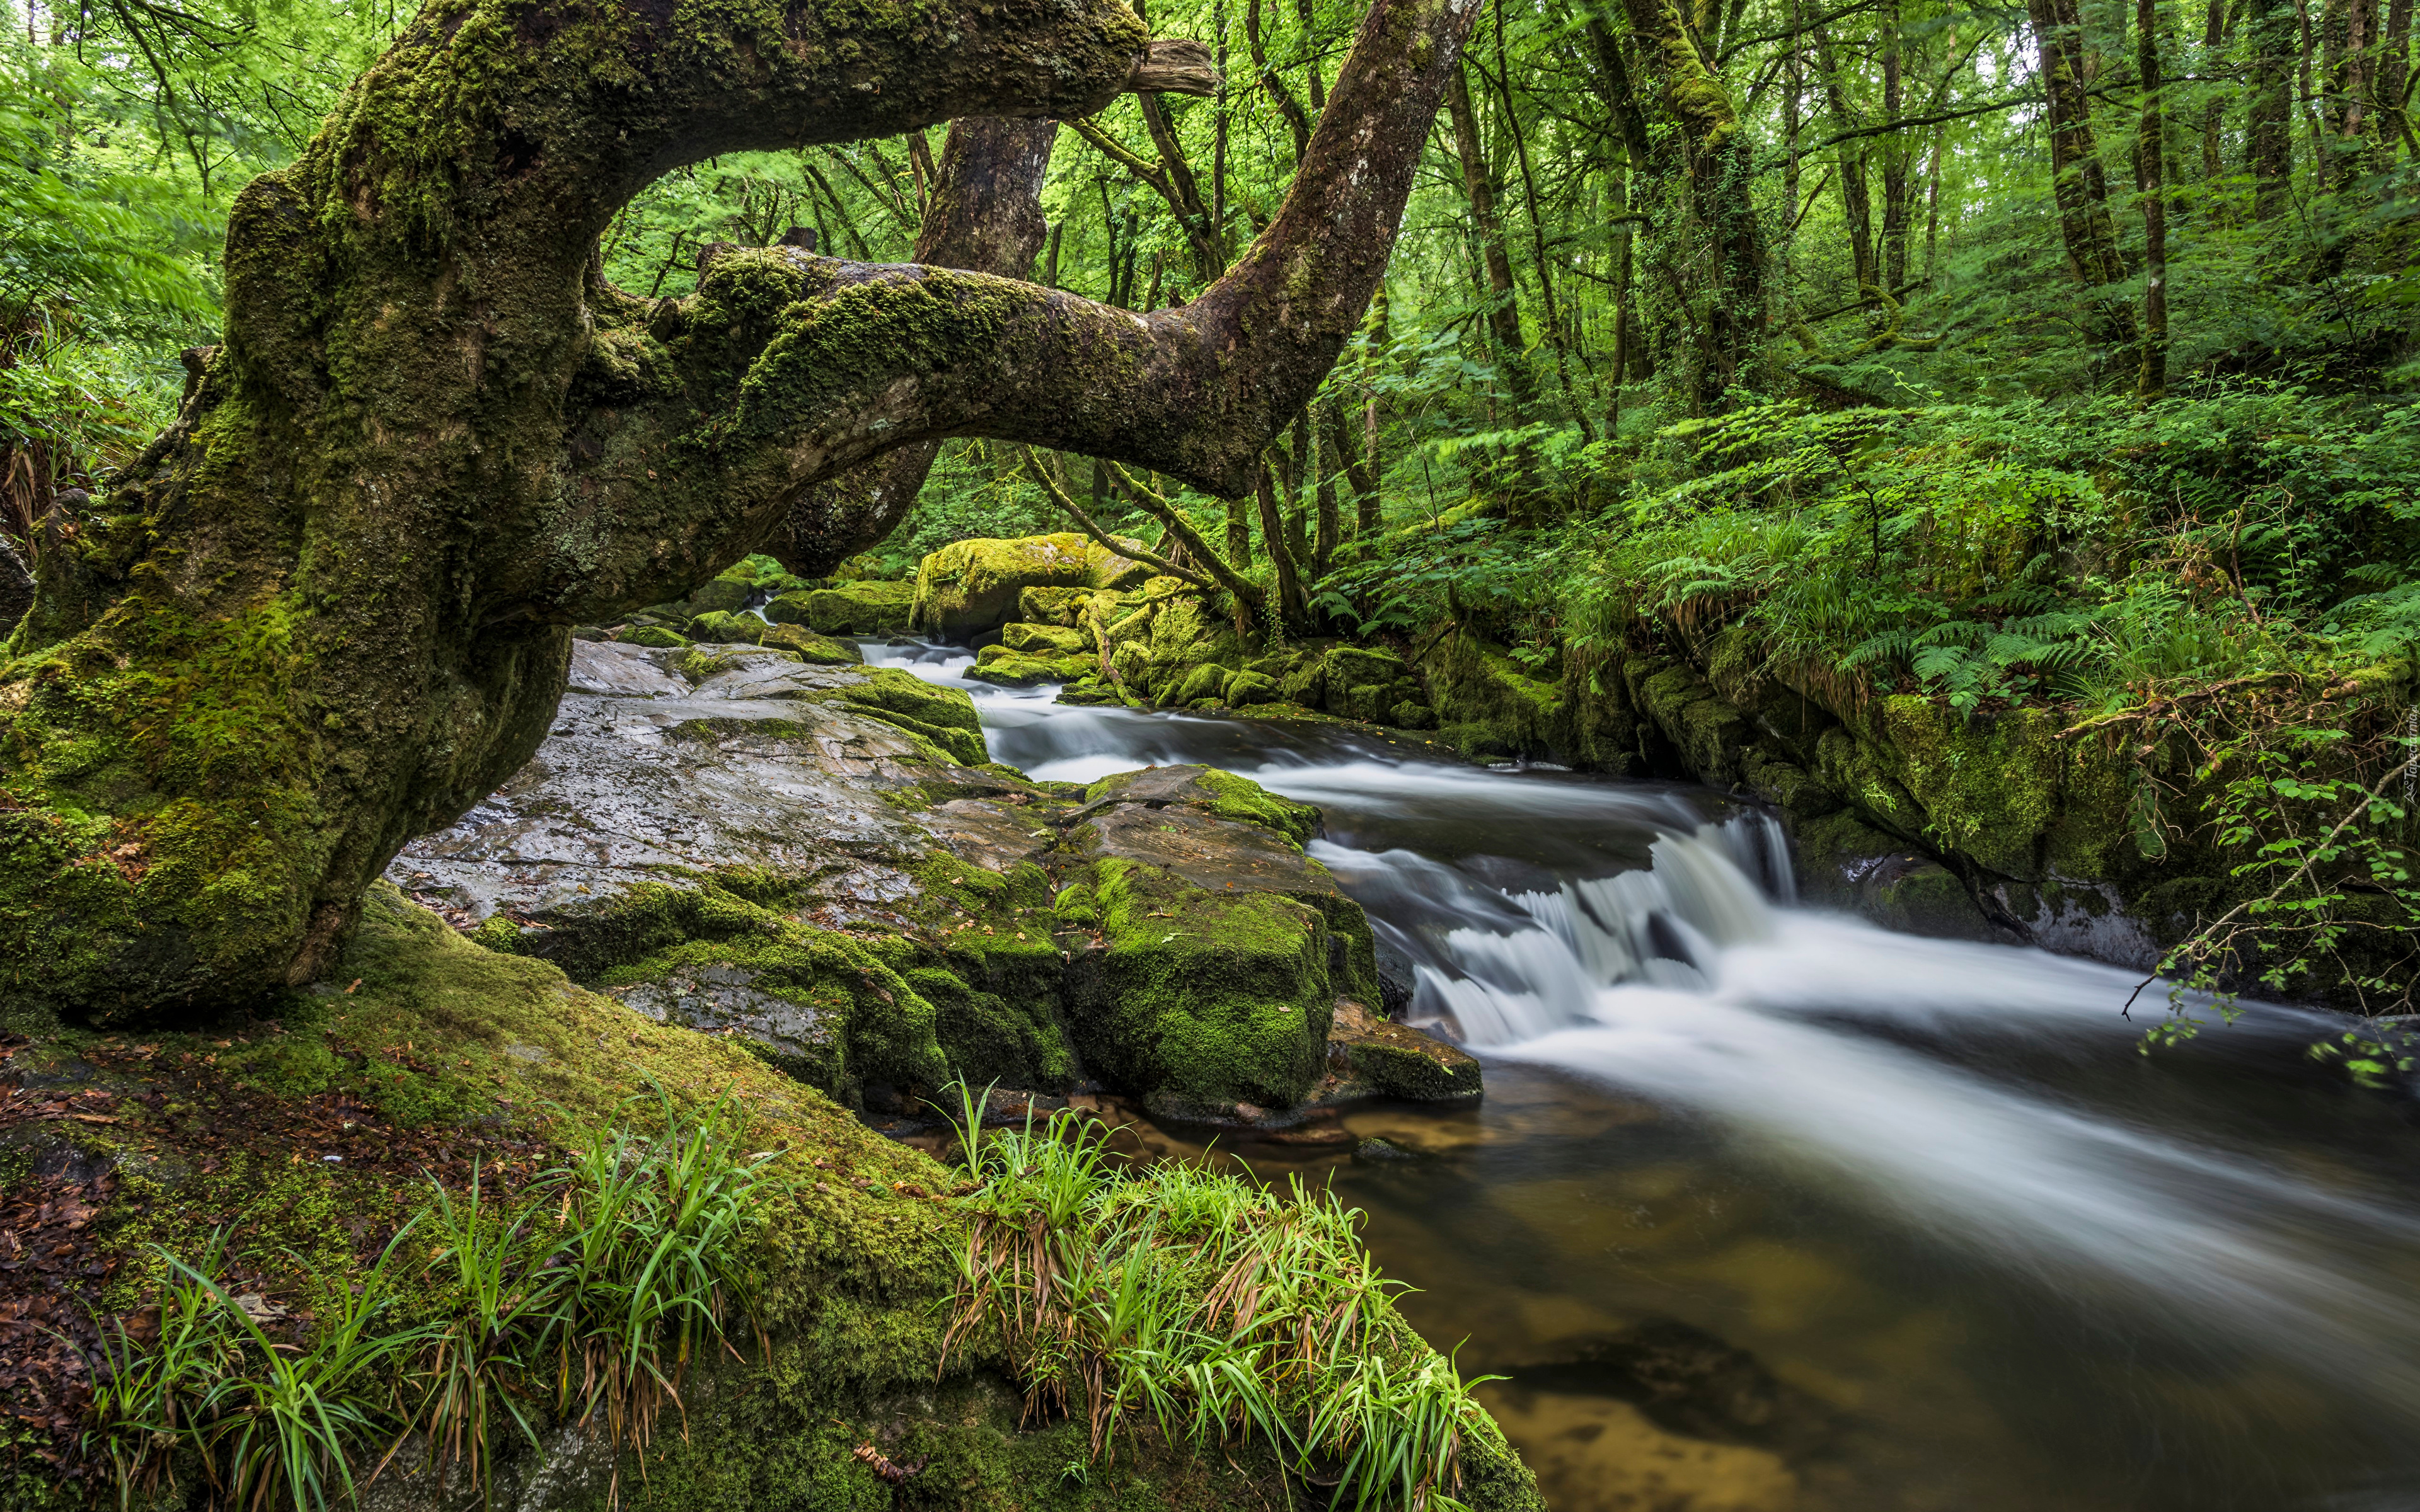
(330, 609)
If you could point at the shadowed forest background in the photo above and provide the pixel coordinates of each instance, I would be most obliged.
(2002, 355)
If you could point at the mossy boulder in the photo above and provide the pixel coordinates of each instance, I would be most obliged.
(1208, 949)
(1207, 789)
(1392, 1059)
(1204, 995)
(1018, 669)
(721, 627)
(654, 636)
(969, 587)
(1246, 689)
(1206, 683)
(1044, 639)
(867, 606)
(944, 715)
(1052, 606)
(813, 649)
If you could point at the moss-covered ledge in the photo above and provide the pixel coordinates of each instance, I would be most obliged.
(305, 1132)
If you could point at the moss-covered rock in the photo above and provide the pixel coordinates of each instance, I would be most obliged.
(813, 649)
(969, 586)
(1023, 668)
(1206, 994)
(1392, 1059)
(944, 715)
(1063, 606)
(1206, 682)
(1209, 791)
(654, 637)
(1044, 639)
(1245, 688)
(868, 607)
(718, 626)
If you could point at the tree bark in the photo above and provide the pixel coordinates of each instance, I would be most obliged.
(2268, 114)
(985, 217)
(331, 607)
(1856, 199)
(1722, 244)
(2080, 186)
(1503, 296)
(2151, 380)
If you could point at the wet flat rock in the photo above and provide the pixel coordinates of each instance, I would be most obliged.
(649, 779)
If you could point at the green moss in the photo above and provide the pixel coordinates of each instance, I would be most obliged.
(972, 586)
(721, 627)
(811, 648)
(943, 715)
(654, 636)
(865, 607)
(498, 934)
(1223, 997)
(1989, 788)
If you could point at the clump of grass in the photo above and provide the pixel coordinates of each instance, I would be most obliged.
(586, 1299)
(269, 1422)
(1203, 1305)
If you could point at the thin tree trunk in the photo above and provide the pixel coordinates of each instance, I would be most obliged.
(1273, 536)
(1932, 198)
(2269, 136)
(2214, 110)
(1337, 428)
(2151, 382)
(2081, 188)
(1555, 332)
(1504, 297)
(1896, 157)
(1239, 535)
(1856, 203)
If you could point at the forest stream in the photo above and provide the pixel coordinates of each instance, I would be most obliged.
(1980, 1252)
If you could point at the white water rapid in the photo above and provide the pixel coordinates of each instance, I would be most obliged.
(2226, 1211)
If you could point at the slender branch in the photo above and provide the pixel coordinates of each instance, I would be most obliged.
(2310, 858)
(1040, 475)
(1160, 508)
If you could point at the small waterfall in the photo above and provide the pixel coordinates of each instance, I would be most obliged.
(1521, 964)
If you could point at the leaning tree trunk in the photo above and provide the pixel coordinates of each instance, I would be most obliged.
(331, 608)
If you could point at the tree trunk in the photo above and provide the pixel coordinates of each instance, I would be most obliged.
(1273, 537)
(2214, 110)
(1723, 242)
(1368, 517)
(1857, 200)
(2082, 188)
(2151, 381)
(1504, 297)
(985, 217)
(332, 606)
(1897, 198)
(2269, 114)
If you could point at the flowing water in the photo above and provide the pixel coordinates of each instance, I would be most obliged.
(1984, 1253)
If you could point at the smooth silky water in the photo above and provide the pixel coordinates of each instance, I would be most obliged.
(1991, 1254)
